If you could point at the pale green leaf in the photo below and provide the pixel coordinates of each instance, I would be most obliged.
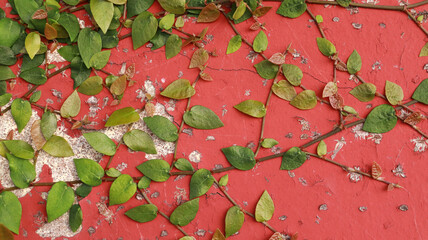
(21, 112)
(292, 73)
(122, 116)
(364, 92)
(234, 220)
(394, 93)
(156, 169)
(10, 211)
(264, 208)
(102, 11)
(122, 189)
(326, 47)
(354, 63)
(234, 44)
(305, 100)
(32, 44)
(283, 89)
(179, 89)
(60, 199)
(260, 42)
(252, 107)
(91, 86)
(71, 106)
(89, 171)
(58, 147)
(138, 140)
(321, 148)
(162, 127)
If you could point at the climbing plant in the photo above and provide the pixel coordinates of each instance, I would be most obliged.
(33, 29)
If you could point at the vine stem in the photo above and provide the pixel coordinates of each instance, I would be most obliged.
(237, 205)
(352, 170)
(415, 21)
(316, 22)
(161, 213)
(182, 126)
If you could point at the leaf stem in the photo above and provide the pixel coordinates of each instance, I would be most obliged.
(316, 22)
(415, 21)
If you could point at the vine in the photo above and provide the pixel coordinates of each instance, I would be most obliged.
(38, 28)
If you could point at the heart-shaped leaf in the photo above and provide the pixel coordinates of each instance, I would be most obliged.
(155, 169)
(6, 73)
(75, 218)
(143, 213)
(292, 73)
(173, 6)
(172, 46)
(305, 100)
(260, 42)
(91, 86)
(185, 213)
(102, 11)
(283, 89)
(48, 124)
(89, 43)
(10, 211)
(100, 59)
(22, 172)
(394, 93)
(209, 13)
(200, 183)
(292, 8)
(144, 28)
(269, 142)
(32, 44)
(183, 165)
(234, 44)
(101, 143)
(266, 69)
(201, 117)
(89, 171)
(122, 189)
(322, 148)
(19, 148)
(252, 107)
(293, 159)
(234, 220)
(71, 106)
(381, 119)
(162, 127)
(326, 47)
(179, 89)
(364, 92)
(199, 58)
(138, 140)
(58, 147)
(354, 63)
(264, 208)
(36, 76)
(122, 116)
(241, 158)
(21, 112)
(60, 199)
(421, 92)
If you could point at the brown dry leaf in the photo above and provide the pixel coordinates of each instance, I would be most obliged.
(85, 120)
(118, 87)
(148, 96)
(341, 66)
(336, 101)
(150, 109)
(53, 46)
(205, 76)
(199, 58)
(10, 135)
(414, 118)
(210, 13)
(218, 235)
(115, 102)
(131, 83)
(329, 90)
(277, 236)
(376, 170)
(37, 135)
(295, 236)
(277, 58)
(260, 12)
(50, 32)
(391, 187)
(189, 40)
(203, 32)
(256, 26)
(76, 125)
(130, 71)
(5, 233)
(40, 14)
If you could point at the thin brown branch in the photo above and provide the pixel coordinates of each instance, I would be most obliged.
(316, 22)
(363, 5)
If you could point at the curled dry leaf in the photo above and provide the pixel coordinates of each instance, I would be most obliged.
(391, 187)
(336, 101)
(210, 13)
(341, 66)
(260, 12)
(205, 76)
(199, 58)
(376, 170)
(37, 135)
(76, 125)
(40, 14)
(150, 109)
(256, 26)
(50, 32)
(115, 102)
(277, 236)
(277, 58)
(10, 135)
(130, 71)
(329, 90)
(414, 118)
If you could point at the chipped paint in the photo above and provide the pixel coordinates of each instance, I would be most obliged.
(195, 156)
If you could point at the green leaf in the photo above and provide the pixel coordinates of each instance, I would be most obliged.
(260, 42)
(60, 199)
(252, 107)
(122, 116)
(143, 213)
(173, 46)
(201, 117)
(223, 180)
(122, 189)
(200, 183)
(354, 62)
(319, 19)
(138, 140)
(293, 159)
(322, 148)
(155, 169)
(118, 2)
(118, 87)
(240, 10)
(75, 218)
(344, 3)
(83, 190)
(19, 148)
(10, 211)
(70, 23)
(185, 213)
(144, 182)
(283, 89)
(89, 43)
(234, 220)
(241, 158)
(293, 74)
(102, 12)
(101, 143)
(135, 7)
(173, 6)
(144, 28)
(32, 44)
(100, 59)
(35, 96)
(6, 73)
(21, 112)
(71, 106)
(79, 72)
(394, 93)
(159, 40)
(109, 39)
(58, 147)
(423, 53)
(89, 171)
(364, 92)
(91, 86)
(3, 87)
(264, 208)
(69, 52)
(28, 63)
(179, 89)
(381, 119)
(266, 69)
(234, 44)
(48, 124)
(7, 56)
(113, 172)
(326, 47)
(5, 99)
(183, 165)
(36, 76)
(305, 100)
(421, 92)
(162, 127)
(22, 172)
(269, 142)
(292, 8)
(167, 21)
(10, 32)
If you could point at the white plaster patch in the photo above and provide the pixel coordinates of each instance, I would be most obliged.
(360, 134)
(57, 228)
(195, 156)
